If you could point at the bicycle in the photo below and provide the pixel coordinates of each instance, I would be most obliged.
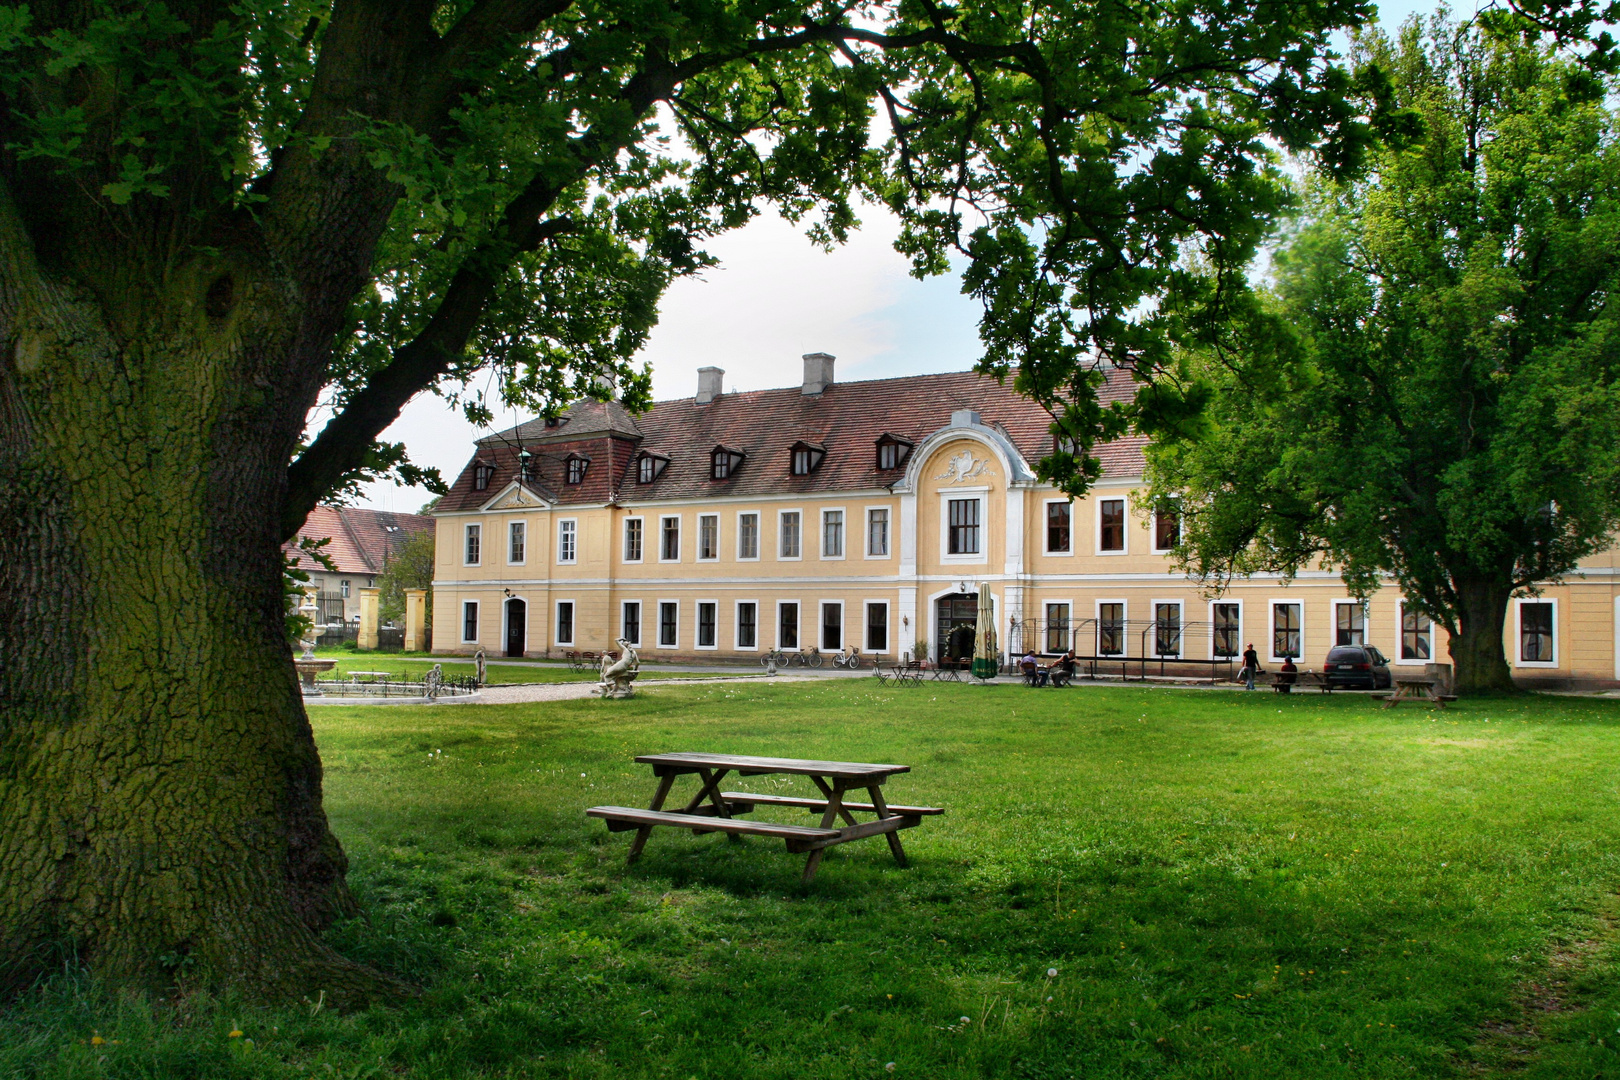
(850, 661)
(777, 655)
(808, 657)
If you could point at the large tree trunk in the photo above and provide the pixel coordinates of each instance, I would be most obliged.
(160, 791)
(1478, 660)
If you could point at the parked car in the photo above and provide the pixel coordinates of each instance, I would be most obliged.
(1356, 667)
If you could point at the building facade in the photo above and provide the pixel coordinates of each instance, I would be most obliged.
(869, 515)
(359, 544)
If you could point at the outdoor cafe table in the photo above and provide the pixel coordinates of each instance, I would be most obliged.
(714, 810)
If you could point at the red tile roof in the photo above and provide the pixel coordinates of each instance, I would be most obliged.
(361, 540)
(846, 418)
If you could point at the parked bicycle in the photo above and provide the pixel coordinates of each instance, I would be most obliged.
(810, 657)
(778, 655)
(851, 660)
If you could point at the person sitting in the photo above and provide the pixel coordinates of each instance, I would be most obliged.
(1062, 669)
(1034, 674)
(1287, 675)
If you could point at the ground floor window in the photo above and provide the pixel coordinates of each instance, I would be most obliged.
(668, 622)
(747, 626)
(1349, 624)
(1110, 629)
(877, 627)
(469, 620)
(832, 627)
(1167, 629)
(1417, 635)
(631, 622)
(1228, 620)
(787, 626)
(706, 625)
(1286, 621)
(1057, 621)
(1536, 633)
(565, 622)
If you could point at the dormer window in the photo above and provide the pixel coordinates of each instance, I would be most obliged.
(481, 476)
(807, 458)
(1065, 444)
(723, 462)
(650, 467)
(576, 468)
(892, 451)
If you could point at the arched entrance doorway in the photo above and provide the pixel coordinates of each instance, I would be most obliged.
(955, 616)
(517, 622)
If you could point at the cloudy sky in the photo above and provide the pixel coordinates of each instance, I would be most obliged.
(773, 298)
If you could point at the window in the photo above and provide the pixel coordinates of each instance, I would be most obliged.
(516, 533)
(723, 462)
(650, 467)
(1057, 528)
(1110, 629)
(832, 534)
(630, 621)
(1349, 624)
(892, 452)
(877, 532)
(807, 458)
(669, 539)
(1228, 619)
(787, 626)
(1166, 530)
(877, 627)
(567, 541)
(1536, 633)
(576, 469)
(832, 626)
(747, 536)
(474, 533)
(565, 622)
(1417, 635)
(481, 476)
(1057, 625)
(632, 539)
(469, 620)
(788, 545)
(1166, 629)
(343, 587)
(708, 536)
(963, 535)
(1285, 630)
(706, 624)
(747, 625)
(1111, 525)
(669, 614)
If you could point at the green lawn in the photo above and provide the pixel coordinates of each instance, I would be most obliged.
(1224, 884)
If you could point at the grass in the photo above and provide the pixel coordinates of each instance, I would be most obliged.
(1127, 883)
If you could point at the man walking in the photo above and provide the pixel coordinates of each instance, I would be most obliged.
(1251, 664)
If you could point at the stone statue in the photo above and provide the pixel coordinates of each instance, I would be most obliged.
(478, 658)
(617, 675)
(433, 682)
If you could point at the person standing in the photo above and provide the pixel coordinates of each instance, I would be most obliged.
(1251, 664)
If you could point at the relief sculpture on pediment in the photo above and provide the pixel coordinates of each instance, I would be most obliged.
(963, 466)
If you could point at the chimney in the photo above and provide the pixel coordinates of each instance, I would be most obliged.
(709, 384)
(818, 372)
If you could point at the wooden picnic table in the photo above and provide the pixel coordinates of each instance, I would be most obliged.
(1423, 690)
(714, 810)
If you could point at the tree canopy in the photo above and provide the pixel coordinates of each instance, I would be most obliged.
(1433, 391)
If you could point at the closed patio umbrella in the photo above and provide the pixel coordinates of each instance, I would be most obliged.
(985, 652)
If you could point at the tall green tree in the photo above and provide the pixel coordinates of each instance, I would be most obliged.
(213, 215)
(410, 567)
(1433, 391)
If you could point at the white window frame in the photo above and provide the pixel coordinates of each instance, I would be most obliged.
(759, 535)
(1434, 638)
(736, 626)
(888, 532)
(789, 558)
(776, 624)
(1046, 534)
(1074, 610)
(477, 622)
(658, 630)
(562, 524)
(950, 495)
(1125, 523)
(697, 625)
(676, 518)
(697, 553)
(519, 523)
(624, 541)
(1241, 618)
(556, 620)
(1366, 622)
(1096, 621)
(1271, 627)
(821, 625)
(1181, 625)
(641, 621)
(843, 534)
(1518, 632)
(1153, 534)
(866, 618)
(467, 534)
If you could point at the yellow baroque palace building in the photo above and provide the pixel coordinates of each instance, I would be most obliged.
(869, 515)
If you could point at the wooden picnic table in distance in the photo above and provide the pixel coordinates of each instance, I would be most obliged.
(1423, 690)
(713, 810)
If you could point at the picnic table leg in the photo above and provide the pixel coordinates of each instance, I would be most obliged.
(665, 782)
(849, 819)
(711, 791)
(835, 808)
(876, 791)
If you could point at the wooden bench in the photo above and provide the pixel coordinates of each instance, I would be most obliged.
(625, 818)
(737, 800)
(1317, 679)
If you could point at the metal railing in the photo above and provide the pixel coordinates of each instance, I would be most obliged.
(1134, 648)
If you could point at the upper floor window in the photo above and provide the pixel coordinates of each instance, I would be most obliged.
(1111, 525)
(723, 461)
(516, 534)
(567, 541)
(832, 534)
(650, 467)
(475, 535)
(708, 536)
(748, 536)
(877, 531)
(807, 458)
(1058, 516)
(576, 468)
(892, 451)
(1166, 530)
(963, 535)
(632, 540)
(788, 534)
(669, 549)
(481, 476)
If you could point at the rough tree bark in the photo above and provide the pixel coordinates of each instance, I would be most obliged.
(1478, 660)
